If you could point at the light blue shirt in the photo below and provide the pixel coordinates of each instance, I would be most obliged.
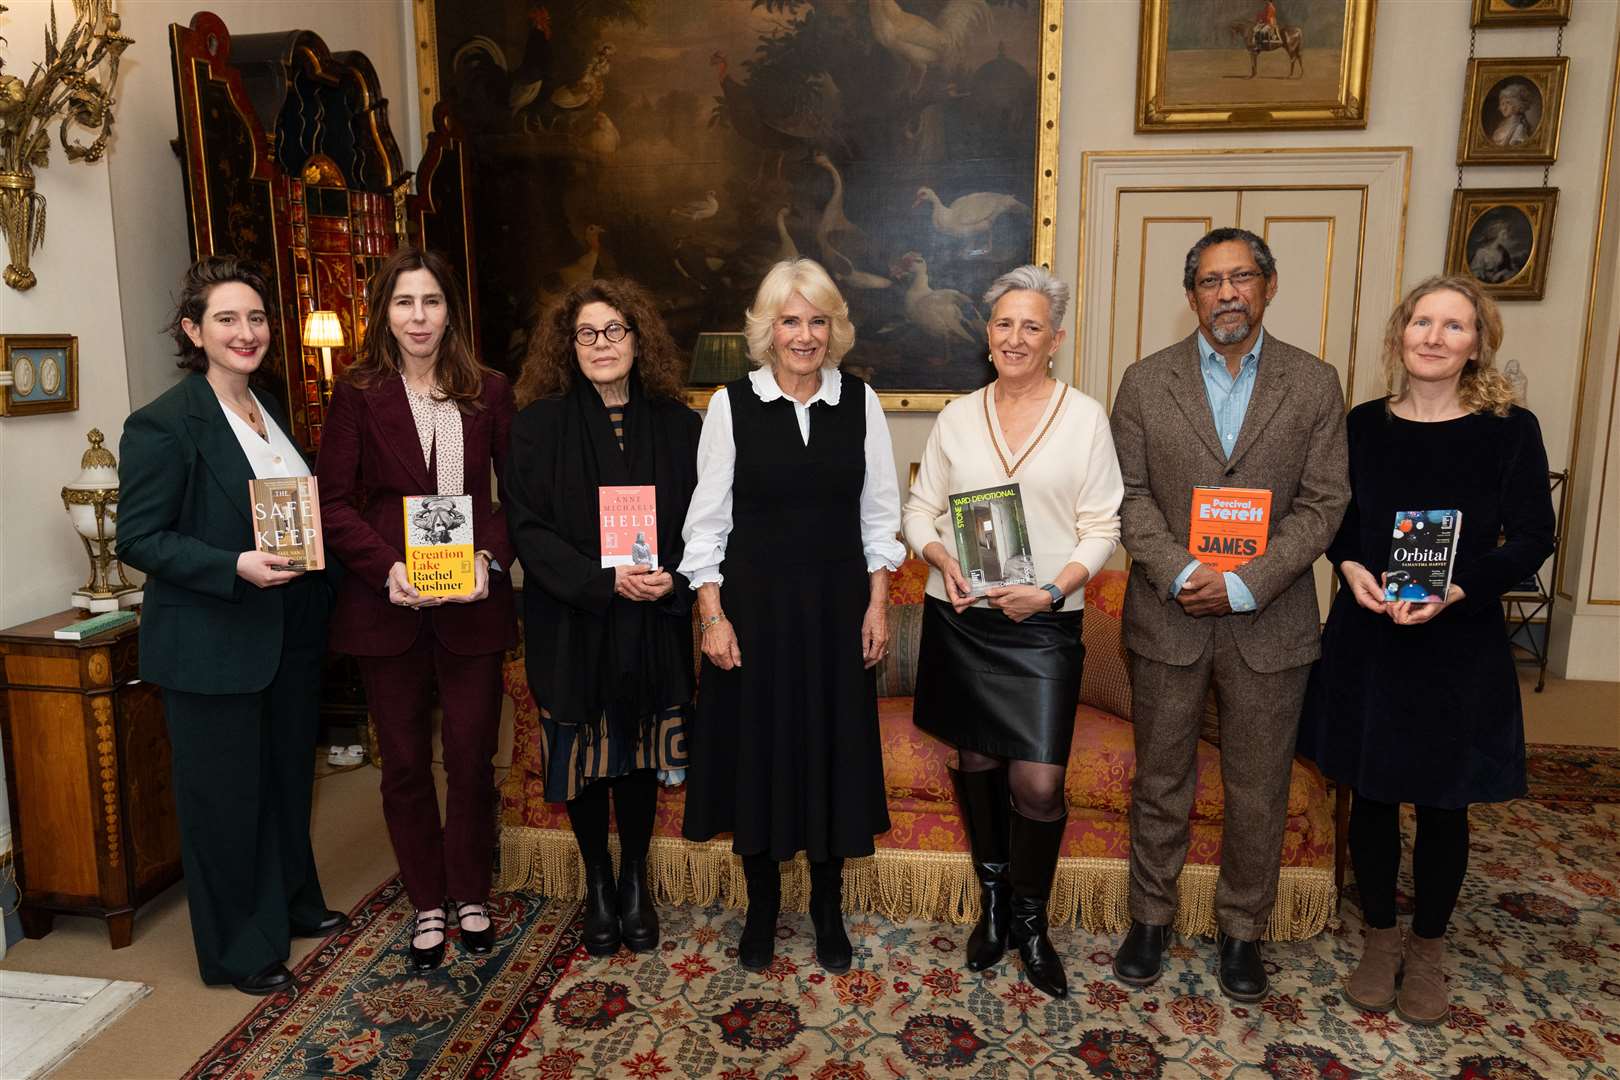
(1228, 404)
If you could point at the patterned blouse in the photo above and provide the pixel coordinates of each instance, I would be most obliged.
(438, 420)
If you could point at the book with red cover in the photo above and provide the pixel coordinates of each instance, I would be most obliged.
(629, 525)
(1229, 526)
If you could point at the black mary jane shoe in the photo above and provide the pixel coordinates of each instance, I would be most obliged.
(272, 979)
(477, 942)
(329, 924)
(429, 958)
(1242, 972)
(1140, 959)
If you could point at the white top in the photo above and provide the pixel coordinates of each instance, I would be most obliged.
(708, 520)
(1070, 482)
(274, 456)
(438, 420)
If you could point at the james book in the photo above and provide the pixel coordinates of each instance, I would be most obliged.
(629, 521)
(992, 540)
(439, 544)
(1422, 551)
(1229, 526)
(287, 519)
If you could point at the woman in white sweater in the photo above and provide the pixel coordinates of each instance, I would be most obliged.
(999, 673)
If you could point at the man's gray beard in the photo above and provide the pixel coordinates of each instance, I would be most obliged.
(1232, 336)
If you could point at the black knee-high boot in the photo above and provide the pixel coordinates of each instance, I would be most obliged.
(588, 813)
(757, 948)
(833, 950)
(984, 800)
(1034, 848)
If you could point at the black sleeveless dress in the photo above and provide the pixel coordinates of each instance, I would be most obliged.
(785, 749)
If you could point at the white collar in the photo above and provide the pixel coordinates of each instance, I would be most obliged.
(763, 380)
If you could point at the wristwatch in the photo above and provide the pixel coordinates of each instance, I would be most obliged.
(1057, 595)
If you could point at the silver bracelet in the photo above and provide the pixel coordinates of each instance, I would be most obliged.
(712, 620)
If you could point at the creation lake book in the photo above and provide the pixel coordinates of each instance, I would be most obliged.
(1229, 526)
(287, 520)
(992, 539)
(629, 525)
(439, 544)
(1422, 552)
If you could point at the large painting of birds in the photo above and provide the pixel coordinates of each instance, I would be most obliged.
(690, 144)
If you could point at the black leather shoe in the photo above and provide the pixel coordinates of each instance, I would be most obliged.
(757, 947)
(1140, 959)
(833, 950)
(638, 919)
(330, 923)
(271, 979)
(429, 958)
(477, 942)
(983, 798)
(1034, 849)
(1242, 971)
(601, 909)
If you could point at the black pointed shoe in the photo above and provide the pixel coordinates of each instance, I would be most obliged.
(329, 924)
(983, 798)
(477, 942)
(757, 947)
(602, 934)
(1034, 849)
(270, 980)
(1242, 970)
(1140, 959)
(638, 919)
(833, 950)
(428, 958)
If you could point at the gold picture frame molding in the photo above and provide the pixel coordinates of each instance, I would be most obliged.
(1490, 14)
(1539, 206)
(1049, 78)
(69, 401)
(1549, 75)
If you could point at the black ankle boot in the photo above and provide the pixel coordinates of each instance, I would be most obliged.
(601, 909)
(638, 920)
(1034, 849)
(833, 950)
(983, 798)
(757, 948)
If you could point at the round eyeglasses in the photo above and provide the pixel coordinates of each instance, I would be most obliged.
(613, 331)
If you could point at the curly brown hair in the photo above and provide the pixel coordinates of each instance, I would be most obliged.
(1482, 388)
(206, 274)
(551, 367)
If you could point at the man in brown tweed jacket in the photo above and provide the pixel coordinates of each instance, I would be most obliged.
(1228, 406)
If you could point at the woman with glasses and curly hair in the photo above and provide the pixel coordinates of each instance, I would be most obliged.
(609, 648)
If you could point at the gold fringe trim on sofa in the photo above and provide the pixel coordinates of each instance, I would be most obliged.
(903, 885)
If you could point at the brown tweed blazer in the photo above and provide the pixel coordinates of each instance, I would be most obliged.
(1292, 442)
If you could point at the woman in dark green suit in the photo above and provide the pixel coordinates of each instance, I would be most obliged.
(232, 636)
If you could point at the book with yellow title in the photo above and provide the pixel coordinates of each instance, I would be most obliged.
(286, 514)
(439, 544)
(1229, 526)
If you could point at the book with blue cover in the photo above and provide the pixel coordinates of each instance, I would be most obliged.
(1422, 552)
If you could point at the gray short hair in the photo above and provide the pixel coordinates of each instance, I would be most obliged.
(1033, 279)
(1263, 258)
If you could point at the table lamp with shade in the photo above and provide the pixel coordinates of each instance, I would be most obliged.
(323, 331)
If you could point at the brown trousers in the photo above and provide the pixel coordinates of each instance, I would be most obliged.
(1259, 722)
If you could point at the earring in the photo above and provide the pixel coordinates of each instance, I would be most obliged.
(990, 356)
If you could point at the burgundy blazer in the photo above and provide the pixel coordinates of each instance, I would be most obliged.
(370, 459)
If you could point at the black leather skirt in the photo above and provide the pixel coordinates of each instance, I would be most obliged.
(998, 687)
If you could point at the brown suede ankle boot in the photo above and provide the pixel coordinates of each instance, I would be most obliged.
(1422, 999)
(1372, 985)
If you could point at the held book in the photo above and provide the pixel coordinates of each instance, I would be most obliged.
(1229, 526)
(439, 544)
(992, 540)
(287, 520)
(629, 525)
(1421, 555)
(96, 624)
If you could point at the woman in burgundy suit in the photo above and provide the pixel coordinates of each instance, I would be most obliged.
(417, 414)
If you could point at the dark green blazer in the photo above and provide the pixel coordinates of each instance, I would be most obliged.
(183, 518)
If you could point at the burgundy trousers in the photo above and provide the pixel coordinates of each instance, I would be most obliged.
(452, 861)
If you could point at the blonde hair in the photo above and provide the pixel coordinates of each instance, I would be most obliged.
(1482, 388)
(807, 278)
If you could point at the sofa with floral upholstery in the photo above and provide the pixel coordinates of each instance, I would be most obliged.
(921, 868)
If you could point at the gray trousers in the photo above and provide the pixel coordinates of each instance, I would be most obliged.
(1259, 722)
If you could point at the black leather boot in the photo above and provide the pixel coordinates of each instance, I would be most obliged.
(601, 909)
(1034, 849)
(638, 920)
(833, 950)
(757, 947)
(983, 797)
(1140, 959)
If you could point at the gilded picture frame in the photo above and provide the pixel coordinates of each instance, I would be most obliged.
(1502, 238)
(1499, 13)
(1513, 110)
(915, 364)
(44, 374)
(1210, 65)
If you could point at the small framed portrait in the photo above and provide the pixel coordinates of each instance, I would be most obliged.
(1492, 13)
(44, 370)
(1501, 237)
(1513, 108)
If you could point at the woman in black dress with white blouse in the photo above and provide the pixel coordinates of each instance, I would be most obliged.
(1419, 702)
(789, 541)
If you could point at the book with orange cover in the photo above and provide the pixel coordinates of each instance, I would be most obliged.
(439, 544)
(1229, 526)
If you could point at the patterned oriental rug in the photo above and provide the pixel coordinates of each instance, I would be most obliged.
(1534, 963)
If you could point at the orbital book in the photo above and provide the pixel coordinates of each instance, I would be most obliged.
(1228, 526)
(439, 544)
(628, 517)
(992, 540)
(1422, 553)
